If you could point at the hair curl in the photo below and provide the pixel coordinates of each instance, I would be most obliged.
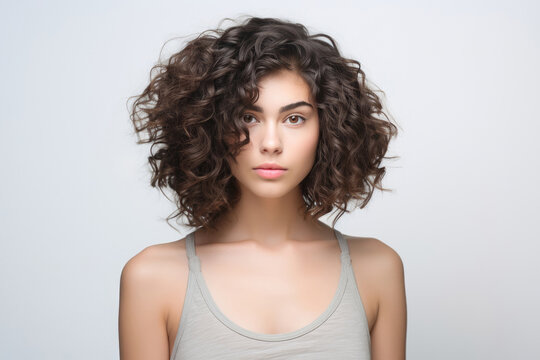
(192, 107)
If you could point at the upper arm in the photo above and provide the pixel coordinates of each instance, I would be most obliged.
(142, 315)
(388, 337)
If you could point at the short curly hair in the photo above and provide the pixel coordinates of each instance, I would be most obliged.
(192, 107)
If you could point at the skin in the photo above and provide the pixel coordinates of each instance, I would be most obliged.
(284, 268)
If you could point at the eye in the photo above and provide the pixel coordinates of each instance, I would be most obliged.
(248, 116)
(295, 119)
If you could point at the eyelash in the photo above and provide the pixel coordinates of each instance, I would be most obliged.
(298, 116)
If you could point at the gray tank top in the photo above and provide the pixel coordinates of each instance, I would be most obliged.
(204, 332)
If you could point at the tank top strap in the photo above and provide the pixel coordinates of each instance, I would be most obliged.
(345, 256)
(193, 259)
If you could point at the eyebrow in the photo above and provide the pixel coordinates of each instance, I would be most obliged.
(282, 109)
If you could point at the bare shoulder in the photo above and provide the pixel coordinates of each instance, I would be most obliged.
(156, 264)
(152, 290)
(150, 283)
(381, 259)
(158, 273)
(378, 270)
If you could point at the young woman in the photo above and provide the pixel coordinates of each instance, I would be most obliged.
(261, 129)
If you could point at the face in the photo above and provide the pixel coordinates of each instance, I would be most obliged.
(284, 129)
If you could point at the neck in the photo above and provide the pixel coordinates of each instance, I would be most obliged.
(269, 222)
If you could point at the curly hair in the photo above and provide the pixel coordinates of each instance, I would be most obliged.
(192, 107)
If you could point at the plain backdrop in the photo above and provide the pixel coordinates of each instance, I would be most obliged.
(461, 79)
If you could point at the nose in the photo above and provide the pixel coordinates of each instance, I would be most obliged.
(271, 139)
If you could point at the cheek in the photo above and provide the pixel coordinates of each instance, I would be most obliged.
(241, 161)
(306, 148)
(241, 156)
(312, 141)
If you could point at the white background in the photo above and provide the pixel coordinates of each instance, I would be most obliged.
(461, 79)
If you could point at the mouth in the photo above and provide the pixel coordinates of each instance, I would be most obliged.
(270, 166)
(268, 173)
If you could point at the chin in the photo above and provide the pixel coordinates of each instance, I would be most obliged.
(269, 189)
(271, 192)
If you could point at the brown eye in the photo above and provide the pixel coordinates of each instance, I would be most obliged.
(295, 119)
(248, 117)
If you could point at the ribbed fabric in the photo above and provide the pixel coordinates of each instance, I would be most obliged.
(204, 332)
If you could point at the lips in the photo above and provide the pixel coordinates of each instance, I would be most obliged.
(270, 173)
(270, 166)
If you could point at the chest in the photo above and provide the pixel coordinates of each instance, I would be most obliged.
(269, 296)
(281, 299)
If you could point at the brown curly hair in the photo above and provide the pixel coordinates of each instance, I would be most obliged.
(192, 107)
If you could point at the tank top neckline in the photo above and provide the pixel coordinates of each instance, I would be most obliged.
(195, 268)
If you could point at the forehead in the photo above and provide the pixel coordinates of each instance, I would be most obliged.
(281, 88)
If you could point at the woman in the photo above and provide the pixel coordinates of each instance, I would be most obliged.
(261, 129)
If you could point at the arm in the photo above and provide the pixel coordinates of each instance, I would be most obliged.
(388, 336)
(142, 316)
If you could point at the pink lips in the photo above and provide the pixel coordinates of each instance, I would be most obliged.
(270, 173)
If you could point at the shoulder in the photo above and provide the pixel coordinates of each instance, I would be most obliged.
(155, 272)
(154, 261)
(377, 265)
(375, 253)
(379, 272)
(150, 281)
